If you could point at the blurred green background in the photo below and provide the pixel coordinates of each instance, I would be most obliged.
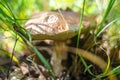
(23, 9)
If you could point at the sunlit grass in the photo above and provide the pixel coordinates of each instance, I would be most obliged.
(11, 23)
(22, 33)
(107, 11)
(78, 39)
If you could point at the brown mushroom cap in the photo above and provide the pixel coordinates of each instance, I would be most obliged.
(53, 25)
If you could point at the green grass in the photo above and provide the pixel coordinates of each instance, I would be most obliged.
(78, 39)
(21, 32)
(9, 22)
(101, 25)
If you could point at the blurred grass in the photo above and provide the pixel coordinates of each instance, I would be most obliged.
(107, 11)
(24, 34)
(23, 9)
(78, 40)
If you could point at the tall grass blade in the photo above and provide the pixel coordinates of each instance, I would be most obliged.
(101, 26)
(108, 25)
(80, 27)
(25, 35)
(41, 57)
(78, 38)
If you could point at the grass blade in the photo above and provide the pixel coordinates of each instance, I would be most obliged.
(25, 35)
(108, 25)
(110, 5)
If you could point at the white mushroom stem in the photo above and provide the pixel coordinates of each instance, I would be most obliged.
(59, 55)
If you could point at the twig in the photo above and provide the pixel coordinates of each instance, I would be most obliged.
(93, 58)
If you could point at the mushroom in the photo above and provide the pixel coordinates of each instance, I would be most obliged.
(50, 25)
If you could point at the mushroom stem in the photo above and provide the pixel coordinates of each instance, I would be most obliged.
(59, 55)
